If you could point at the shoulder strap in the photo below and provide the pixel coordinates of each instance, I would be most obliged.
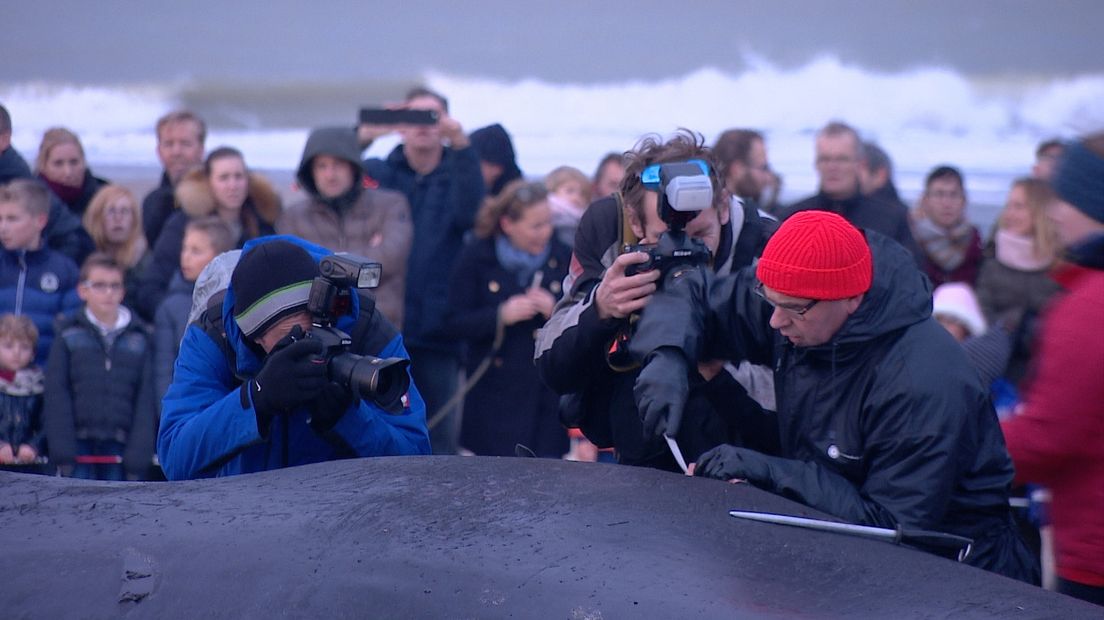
(210, 321)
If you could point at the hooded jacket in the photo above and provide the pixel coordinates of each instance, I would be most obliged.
(374, 223)
(493, 145)
(194, 198)
(209, 426)
(886, 425)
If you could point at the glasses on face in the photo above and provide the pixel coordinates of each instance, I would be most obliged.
(798, 312)
(940, 194)
(101, 287)
(117, 212)
(839, 160)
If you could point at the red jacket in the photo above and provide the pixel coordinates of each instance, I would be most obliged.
(1058, 438)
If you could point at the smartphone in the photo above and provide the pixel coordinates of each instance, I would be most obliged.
(380, 116)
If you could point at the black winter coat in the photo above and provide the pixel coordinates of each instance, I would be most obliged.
(573, 348)
(443, 204)
(101, 393)
(885, 425)
(890, 219)
(509, 405)
(157, 206)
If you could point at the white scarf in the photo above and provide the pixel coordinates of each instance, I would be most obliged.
(1018, 252)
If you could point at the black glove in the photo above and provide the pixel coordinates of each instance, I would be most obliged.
(726, 462)
(329, 407)
(660, 392)
(291, 377)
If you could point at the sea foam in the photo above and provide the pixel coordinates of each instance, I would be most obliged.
(922, 117)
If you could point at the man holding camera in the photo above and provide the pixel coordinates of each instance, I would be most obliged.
(882, 419)
(438, 172)
(581, 351)
(255, 386)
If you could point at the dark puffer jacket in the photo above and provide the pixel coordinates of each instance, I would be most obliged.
(41, 284)
(101, 391)
(887, 424)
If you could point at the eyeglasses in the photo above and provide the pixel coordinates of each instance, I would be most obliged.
(798, 312)
(100, 287)
(940, 194)
(841, 160)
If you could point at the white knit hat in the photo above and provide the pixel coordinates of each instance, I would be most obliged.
(957, 301)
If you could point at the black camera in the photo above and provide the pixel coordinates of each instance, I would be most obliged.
(383, 381)
(684, 190)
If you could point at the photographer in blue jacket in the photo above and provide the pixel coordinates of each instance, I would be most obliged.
(290, 367)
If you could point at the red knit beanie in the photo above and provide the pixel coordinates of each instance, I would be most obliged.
(816, 255)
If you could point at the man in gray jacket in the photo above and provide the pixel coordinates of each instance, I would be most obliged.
(343, 213)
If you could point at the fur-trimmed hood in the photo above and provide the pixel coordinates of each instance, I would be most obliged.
(194, 196)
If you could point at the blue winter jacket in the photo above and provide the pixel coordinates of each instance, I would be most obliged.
(209, 427)
(41, 284)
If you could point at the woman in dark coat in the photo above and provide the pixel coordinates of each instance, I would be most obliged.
(504, 286)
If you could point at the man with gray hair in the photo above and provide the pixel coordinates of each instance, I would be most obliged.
(839, 157)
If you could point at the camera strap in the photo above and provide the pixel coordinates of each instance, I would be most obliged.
(627, 236)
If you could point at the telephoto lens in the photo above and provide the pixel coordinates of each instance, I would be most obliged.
(383, 381)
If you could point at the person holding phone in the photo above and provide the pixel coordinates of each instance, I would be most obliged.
(438, 172)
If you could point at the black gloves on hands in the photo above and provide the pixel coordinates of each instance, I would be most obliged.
(660, 392)
(726, 462)
(331, 404)
(291, 377)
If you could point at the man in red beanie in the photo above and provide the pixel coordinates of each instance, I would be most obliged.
(882, 420)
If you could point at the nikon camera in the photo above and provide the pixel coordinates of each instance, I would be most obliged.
(684, 190)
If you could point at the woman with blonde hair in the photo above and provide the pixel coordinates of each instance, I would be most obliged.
(1014, 282)
(61, 165)
(114, 221)
(503, 288)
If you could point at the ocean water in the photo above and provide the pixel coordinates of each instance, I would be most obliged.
(923, 117)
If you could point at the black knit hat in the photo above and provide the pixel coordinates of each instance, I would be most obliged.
(271, 281)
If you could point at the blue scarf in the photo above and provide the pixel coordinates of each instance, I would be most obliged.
(519, 262)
